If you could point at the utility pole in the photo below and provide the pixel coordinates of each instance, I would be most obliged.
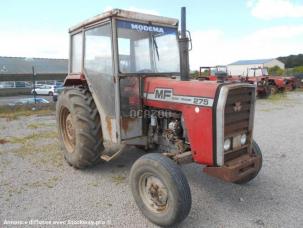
(34, 83)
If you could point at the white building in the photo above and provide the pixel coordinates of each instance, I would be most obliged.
(240, 67)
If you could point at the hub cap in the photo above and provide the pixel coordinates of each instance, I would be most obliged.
(153, 193)
(68, 131)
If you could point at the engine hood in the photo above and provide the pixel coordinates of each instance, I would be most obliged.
(193, 92)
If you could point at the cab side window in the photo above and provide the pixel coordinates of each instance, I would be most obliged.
(76, 55)
(98, 50)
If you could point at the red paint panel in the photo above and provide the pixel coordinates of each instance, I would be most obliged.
(199, 125)
(186, 88)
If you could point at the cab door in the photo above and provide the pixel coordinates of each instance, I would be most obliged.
(98, 69)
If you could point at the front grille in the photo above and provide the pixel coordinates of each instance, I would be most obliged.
(238, 108)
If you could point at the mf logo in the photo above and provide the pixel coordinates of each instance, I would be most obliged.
(163, 93)
(237, 106)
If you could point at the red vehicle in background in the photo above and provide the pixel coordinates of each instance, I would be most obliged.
(291, 83)
(259, 77)
(212, 73)
(254, 76)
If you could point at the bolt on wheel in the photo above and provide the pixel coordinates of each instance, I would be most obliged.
(160, 189)
(153, 192)
(68, 131)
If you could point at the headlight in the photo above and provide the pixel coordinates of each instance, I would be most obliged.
(227, 144)
(243, 139)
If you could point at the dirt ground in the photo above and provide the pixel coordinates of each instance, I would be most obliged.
(38, 187)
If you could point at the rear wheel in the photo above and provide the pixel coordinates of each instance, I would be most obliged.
(257, 151)
(160, 189)
(79, 127)
(50, 93)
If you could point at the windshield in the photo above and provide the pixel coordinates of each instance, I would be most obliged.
(147, 48)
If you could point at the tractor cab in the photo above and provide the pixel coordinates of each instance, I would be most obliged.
(112, 53)
(213, 73)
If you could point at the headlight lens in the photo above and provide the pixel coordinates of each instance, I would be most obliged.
(243, 139)
(227, 144)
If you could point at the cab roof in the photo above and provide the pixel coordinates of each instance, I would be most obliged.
(126, 14)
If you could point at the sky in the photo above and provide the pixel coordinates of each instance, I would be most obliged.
(222, 31)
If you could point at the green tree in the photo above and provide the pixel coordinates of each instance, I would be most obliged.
(194, 74)
(298, 70)
(292, 60)
(275, 71)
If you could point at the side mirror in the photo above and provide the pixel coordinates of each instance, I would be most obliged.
(190, 40)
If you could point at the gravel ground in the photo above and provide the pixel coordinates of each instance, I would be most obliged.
(36, 184)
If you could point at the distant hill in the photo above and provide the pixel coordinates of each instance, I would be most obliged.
(292, 61)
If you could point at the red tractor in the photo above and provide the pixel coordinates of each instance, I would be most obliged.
(259, 77)
(212, 73)
(128, 84)
(291, 83)
(275, 83)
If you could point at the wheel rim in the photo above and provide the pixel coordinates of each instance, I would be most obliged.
(153, 193)
(68, 130)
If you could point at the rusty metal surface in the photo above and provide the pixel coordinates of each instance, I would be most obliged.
(235, 169)
(119, 13)
(109, 125)
(184, 158)
(130, 127)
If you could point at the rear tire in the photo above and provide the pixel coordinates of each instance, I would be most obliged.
(160, 189)
(79, 127)
(257, 151)
(50, 93)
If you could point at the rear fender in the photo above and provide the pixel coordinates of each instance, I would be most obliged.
(75, 79)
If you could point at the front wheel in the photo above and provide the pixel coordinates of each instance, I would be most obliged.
(257, 151)
(160, 189)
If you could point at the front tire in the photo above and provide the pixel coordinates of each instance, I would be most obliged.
(160, 189)
(257, 151)
(79, 127)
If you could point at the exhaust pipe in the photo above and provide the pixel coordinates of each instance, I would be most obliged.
(183, 46)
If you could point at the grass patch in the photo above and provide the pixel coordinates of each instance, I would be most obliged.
(49, 183)
(34, 137)
(277, 97)
(39, 125)
(118, 179)
(49, 154)
(13, 113)
(94, 184)
(40, 155)
(265, 110)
